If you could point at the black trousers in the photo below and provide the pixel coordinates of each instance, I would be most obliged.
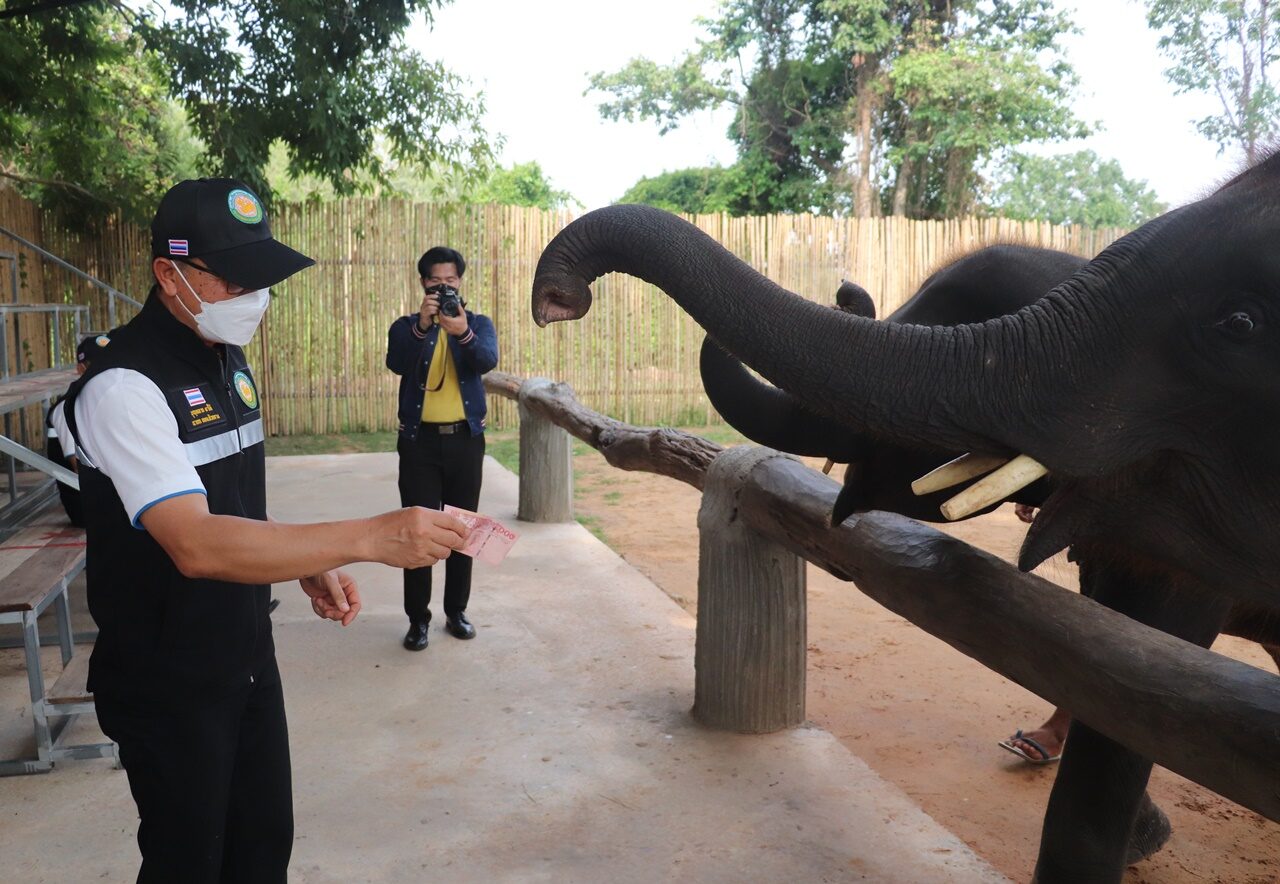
(212, 782)
(437, 469)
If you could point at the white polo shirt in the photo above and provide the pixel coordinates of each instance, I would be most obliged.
(129, 434)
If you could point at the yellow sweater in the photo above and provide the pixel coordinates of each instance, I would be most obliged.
(442, 403)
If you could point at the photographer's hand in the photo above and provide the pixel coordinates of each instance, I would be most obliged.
(430, 307)
(454, 325)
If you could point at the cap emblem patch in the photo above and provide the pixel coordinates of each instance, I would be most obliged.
(244, 206)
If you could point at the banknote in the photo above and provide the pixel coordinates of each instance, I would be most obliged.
(487, 539)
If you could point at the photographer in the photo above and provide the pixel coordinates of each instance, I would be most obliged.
(440, 353)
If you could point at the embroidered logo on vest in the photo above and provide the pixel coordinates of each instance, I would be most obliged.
(244, 386)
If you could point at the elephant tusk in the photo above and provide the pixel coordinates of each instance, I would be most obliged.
(1017, 473)
(826, 467)
(962, 469)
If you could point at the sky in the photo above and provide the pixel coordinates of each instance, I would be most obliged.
(533, 60)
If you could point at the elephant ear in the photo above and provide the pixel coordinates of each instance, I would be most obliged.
(769, 416)
(853, 298)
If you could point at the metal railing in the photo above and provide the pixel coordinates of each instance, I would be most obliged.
(79, 314)
(112, 294)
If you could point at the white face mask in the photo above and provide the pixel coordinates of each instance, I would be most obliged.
(232, 321)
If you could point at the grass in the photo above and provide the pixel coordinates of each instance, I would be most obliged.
(502, 445)
(592, 524)
(336, 443)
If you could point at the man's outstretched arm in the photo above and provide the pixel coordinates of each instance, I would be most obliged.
(240, 550)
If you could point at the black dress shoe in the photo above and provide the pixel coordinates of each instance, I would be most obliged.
(459, 626)
(416, 638)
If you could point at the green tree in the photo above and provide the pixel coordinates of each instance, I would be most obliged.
(1223, 47)
(953, 105)
(1076, 188)
(85, 122)
(691, 191)
(325, 78)
(863, 105)
(329, 81)
(524, 184)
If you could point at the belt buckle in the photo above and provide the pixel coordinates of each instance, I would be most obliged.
(447, 429)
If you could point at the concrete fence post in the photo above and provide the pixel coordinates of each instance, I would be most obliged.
(546, 464)
(750, 655)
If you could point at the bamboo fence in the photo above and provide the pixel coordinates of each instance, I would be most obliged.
(319, 356)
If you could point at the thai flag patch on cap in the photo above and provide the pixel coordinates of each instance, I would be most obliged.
(178, 247)
(194, 397)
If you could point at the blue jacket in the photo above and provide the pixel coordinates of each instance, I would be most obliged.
(409, 353)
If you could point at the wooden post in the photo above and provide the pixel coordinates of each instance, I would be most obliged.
(546, 464)
(750, 655)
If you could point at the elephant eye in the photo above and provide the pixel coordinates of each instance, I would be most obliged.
(1239, 325)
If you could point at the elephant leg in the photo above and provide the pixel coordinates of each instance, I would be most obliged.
(1099, 817)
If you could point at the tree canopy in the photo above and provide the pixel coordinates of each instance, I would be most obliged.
(690, 191)
(863, 105)
(1223, 47)
(86, 124)
(1076, 188)
(329, 82)
(523, 184)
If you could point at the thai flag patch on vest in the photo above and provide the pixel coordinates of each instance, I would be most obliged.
(194, 397)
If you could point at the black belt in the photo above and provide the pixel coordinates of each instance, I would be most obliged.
(447, 429)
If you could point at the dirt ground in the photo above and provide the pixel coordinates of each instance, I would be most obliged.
(923, 715)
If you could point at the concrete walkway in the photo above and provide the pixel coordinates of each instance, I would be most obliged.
(557, 746)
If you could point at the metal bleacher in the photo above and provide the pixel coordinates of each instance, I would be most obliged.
(41, 552)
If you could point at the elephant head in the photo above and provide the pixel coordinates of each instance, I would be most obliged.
(990, 282)
(1146, 383)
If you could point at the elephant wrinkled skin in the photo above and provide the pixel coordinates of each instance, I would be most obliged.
(1147, 383)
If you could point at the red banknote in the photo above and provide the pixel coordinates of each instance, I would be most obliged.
(487, 539)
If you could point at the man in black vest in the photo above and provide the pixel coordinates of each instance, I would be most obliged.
(181, 552)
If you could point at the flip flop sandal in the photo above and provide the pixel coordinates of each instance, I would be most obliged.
(1045, 757)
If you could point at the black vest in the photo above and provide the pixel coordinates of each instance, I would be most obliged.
(161, 632)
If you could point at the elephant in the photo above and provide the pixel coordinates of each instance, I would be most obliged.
(990, 282)
(993, 281)
(1144, 386)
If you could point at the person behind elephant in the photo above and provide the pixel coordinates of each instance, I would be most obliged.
(440, 353)
(1044, 744)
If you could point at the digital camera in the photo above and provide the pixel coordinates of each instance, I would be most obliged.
(450, 300)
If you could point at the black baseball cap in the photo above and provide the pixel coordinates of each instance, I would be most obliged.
(223, 223)
(87, 346)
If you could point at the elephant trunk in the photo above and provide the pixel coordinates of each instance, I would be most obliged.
(768, 416)
(996, 387)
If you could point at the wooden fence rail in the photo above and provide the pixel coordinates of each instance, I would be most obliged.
(1204, 716)
(319, 356)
